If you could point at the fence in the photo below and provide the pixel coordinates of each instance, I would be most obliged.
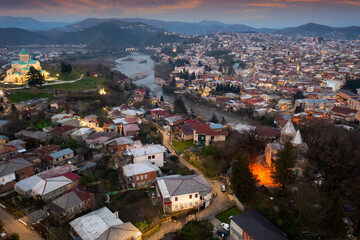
(149, 231)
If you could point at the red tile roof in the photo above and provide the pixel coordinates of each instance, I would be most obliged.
(206, 130)
(343, 110)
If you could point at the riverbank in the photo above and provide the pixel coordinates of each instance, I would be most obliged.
(141, 70)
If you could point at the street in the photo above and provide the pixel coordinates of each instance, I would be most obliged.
(12, 225)
(219, 202)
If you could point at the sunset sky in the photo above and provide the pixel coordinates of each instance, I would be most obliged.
(257, 13)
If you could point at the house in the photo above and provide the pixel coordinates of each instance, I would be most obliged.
(49, 184)
(186, 131)
(7, 151)
(60, 157)
(178, 193)
(174, 120)
(344, 113)
(67, 122)
(38, 136)
(11, 170)
(346, 94)
(3, 124)
(102, 224)
(81, 134)
(90, 121)
(97, 140)
(150, 153)
(158, 113)
(131, 130)
(58, 117)
(140, 174)
(71, 203)
(3, 139)
(251, 225)
(119, 144)
(203, 135)
(63, 131)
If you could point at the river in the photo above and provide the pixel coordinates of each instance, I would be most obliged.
(137, 64)
(134, 65)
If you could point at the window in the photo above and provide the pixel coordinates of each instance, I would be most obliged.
(196, 195)
(190, 196)
(149, 157)
(176, 206)
(137, 178)
(176, 199)
(145, 176)
(153, 156)
(63, 157)
(190, 204)
(196, 203)
(141, 177)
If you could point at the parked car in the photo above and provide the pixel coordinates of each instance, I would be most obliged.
(221, 234)
(225, 226)
(223, 188)
(178, 152)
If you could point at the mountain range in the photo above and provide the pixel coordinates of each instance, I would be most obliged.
(115, 33)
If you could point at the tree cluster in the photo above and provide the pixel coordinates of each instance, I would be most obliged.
(65, 67)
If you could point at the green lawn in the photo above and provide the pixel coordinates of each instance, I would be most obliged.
(224, 216)
(182, 146)
(64, 76)
(84, 84)
(17, 97)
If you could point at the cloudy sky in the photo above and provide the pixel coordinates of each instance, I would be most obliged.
(257, 13)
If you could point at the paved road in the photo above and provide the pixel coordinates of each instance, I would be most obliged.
(12, 225)
(220, 201)
(57, 81)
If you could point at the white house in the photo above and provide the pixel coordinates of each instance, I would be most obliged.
(150, 153)
(179, 193)
(103, 224)
(81, 134)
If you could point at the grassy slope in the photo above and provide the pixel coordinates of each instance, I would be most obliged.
(17, 97)
(65, 76)
(83, 84)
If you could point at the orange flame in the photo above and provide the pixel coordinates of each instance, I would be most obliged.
(262, 174)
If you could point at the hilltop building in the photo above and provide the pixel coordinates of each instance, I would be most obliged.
(17, 74)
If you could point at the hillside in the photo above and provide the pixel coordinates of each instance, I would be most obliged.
(16, 36)
(28, 23)
(117, 34)
(202, 27)
(317, 30)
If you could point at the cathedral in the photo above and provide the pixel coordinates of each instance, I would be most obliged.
(17, 74)
(288, 134)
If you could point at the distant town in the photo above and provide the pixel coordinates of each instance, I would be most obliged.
(217, 136)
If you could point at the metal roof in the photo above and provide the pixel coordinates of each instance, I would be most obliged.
(139, 168)
(147, 150)
(257, 226)
(179, 185)
(92, 225)
(61, 153)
